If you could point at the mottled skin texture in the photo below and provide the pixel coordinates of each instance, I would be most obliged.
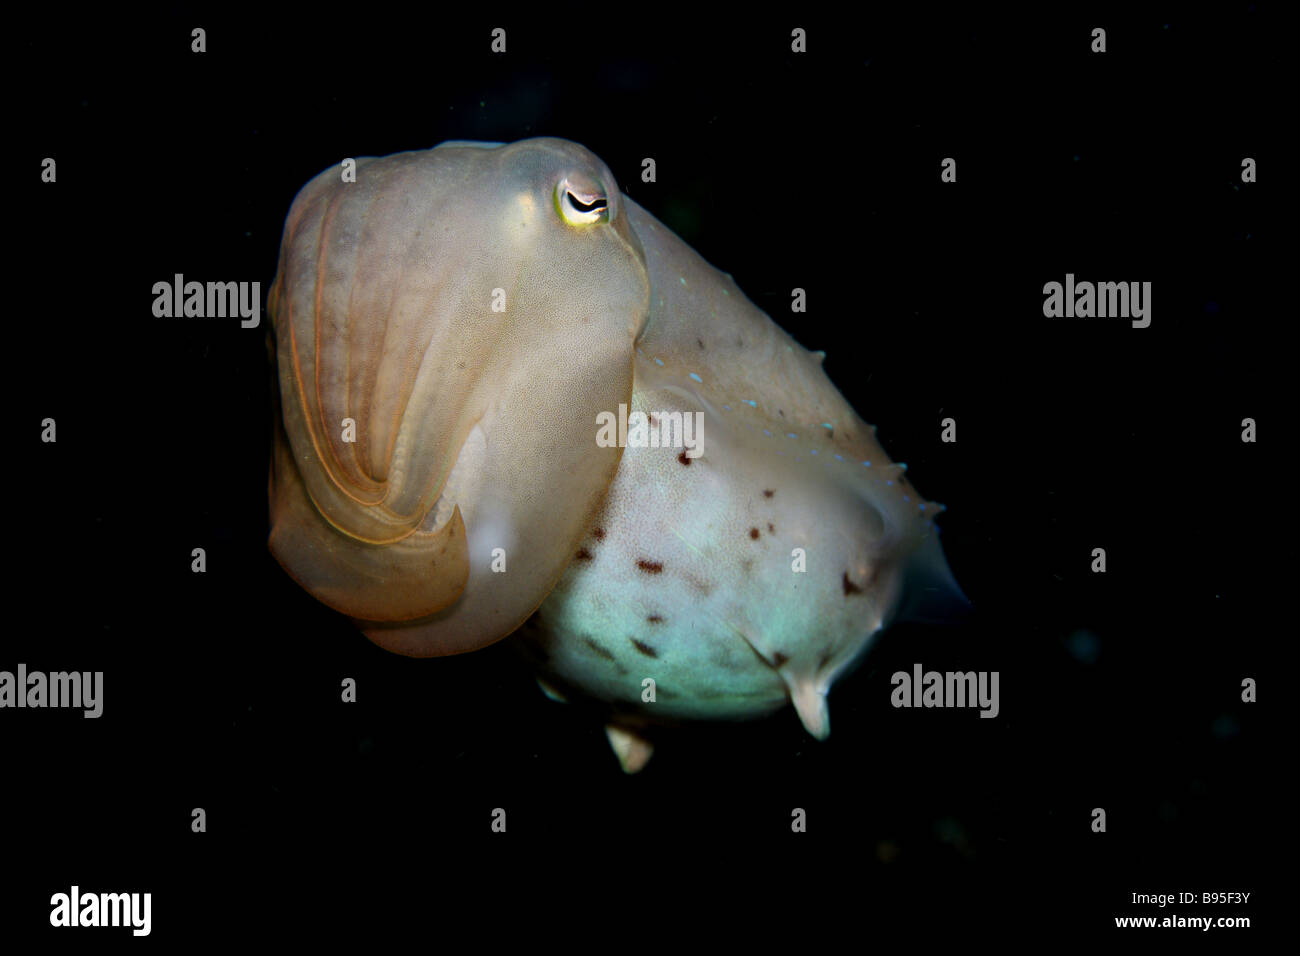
(739, 580)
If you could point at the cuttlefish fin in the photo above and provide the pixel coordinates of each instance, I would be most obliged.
(632, 750)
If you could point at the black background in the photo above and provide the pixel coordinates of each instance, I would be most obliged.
(821, 170)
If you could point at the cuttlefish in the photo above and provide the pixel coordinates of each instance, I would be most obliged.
(456, 329)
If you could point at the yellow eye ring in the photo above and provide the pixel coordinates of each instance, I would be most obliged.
(581, 204)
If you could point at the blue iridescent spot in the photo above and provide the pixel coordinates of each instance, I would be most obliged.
(659, 361)
(866, 464)
(812, 451)
(727, 407)
(839, 457)
(791, 435)
(889, 482)
(751, 403)
(697, 378)
(827, 425)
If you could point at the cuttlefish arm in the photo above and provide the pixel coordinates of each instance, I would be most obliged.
(447, 329)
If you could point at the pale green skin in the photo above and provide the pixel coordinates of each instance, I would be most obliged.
(729, 626)
(740, 633)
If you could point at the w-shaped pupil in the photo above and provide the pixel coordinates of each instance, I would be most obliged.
(579, 205)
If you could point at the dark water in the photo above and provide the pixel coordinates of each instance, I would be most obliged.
(1119, 690)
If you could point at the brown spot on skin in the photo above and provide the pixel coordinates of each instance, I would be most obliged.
(600, 651)
(768, 492)
(654, 420)
(778, 659)
(655, 619)
(747, 565)
(849, 586)
(770, 529)
(584, 554)
(600, 534)
(700, 342)
(780, 412)
(824, 660)
(753, 533)
(655, 567)
(683, 459)
(645, 649)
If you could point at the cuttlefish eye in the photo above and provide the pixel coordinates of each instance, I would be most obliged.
(581, 200)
